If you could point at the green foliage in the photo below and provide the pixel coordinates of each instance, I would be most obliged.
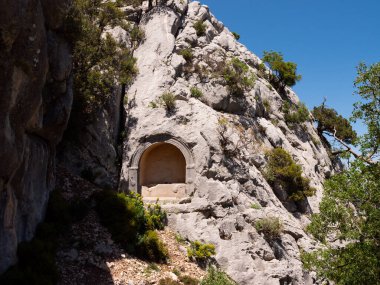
(196, 93)
(200, 28)
(216, 277)
(188, 280)
(266, 105)
(168, 281)
(187, 54)
(180, 239)
(131, 225)
(168, 100)
(295, 114)
(350, 208)
(123, 215)
(270, 227)
(99, 62)
(236, 36)
(255, 206)
(330, 121)
(238, 77)
(137, 35)
(151, 247)
(156, 218)
(153, 104)
(200, 251)
(367, 85)
(349, 212)
(286, 72)
(284, 172)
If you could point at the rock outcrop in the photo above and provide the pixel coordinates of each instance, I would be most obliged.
(223, 139)
(35, 88)
(218, 141)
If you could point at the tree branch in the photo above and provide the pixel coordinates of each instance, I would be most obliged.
(350, 150)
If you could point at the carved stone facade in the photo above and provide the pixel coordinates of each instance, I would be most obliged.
(135, 170)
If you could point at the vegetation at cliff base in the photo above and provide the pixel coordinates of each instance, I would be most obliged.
(349, 213)
(131, 225)
(217, 277)
(349, 220)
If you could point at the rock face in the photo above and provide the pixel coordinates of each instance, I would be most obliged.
(35, 86)
(223, 139)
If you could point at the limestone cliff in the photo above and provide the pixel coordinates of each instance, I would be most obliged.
(223, 139)
(208, 152)
(35, 88)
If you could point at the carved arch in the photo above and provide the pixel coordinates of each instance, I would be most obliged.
(134, 179)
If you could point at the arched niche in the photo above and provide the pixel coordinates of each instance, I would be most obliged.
(162, 163)
(166, 164)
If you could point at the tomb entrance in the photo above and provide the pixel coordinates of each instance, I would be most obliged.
(162, 170)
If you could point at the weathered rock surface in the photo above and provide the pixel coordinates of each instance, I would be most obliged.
(35, 88)
(225, 176)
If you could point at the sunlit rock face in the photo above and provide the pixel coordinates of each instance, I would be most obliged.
(205, 158)
(35, 88)
(223, 139)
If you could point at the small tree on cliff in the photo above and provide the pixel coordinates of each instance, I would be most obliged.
(332, 125)
(285, 71)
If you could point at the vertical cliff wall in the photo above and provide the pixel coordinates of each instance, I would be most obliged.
(224, 138)
(35, 90)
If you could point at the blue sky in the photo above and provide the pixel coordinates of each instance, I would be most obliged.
(326, 38)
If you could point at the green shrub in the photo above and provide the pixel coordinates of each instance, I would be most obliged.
(152, 248)
(282, 170)
(271, 227)
(238, 77)
(131, 225)
(168, 281)
(168, 100)
(200, 251)
(180, 239)
(156, 218)
(294, 114)
(216, 277)
(266, 105)
(196, 93)
(255, 206)
(187, 54)
(200, 28)
(137, 35)
(123, 215)
(236, 36)
(153, 104)
(187, 280)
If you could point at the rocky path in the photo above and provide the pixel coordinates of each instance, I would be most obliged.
(87, 254)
